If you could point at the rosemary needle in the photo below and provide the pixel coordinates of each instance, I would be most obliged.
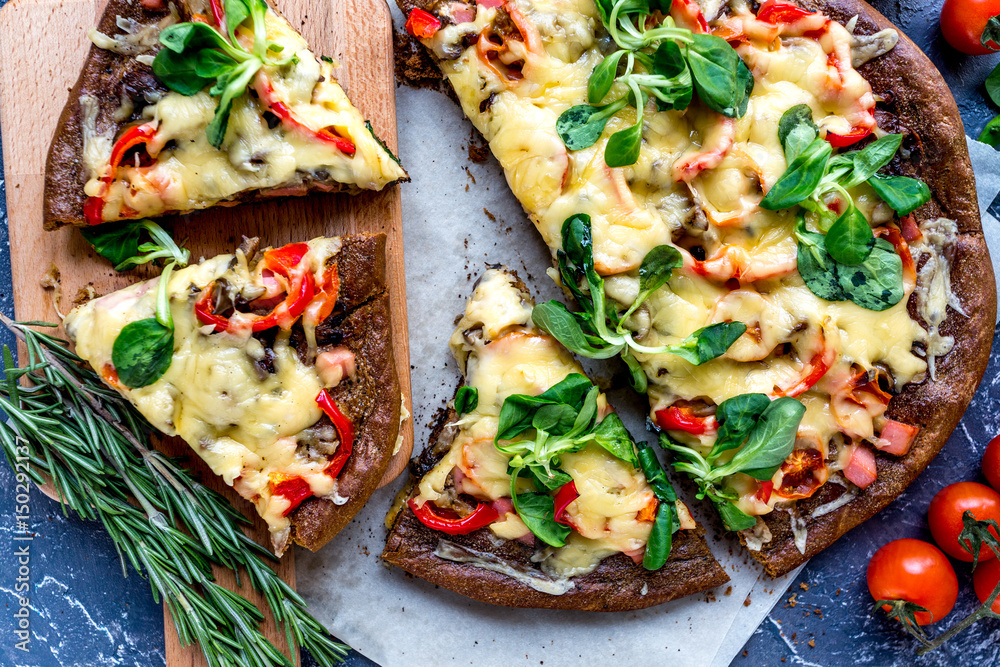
(90, 444)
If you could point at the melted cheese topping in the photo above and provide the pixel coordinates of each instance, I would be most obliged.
(189, 173)
(697, 183)
(503, 354)
(246, 425)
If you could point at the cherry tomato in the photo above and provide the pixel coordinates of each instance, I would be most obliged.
(917, 572)
(945, 516)
(985, 579)
(991, 463)
(963, 21)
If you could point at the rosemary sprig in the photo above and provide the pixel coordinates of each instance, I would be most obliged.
(90, 444)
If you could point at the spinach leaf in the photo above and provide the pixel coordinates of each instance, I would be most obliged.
(873, 157)
(552, 479)
(668, 61)
(991, 133)
(654, 272)
(716, 75)
(581, 126)
(228, 87)
(466, 400)
(600, 83)
(624, 146)
(120, 243)
(769, 443)
(876, 283)
(655, 476)
(733, 518)
(612, 435)
(572, 390)
(993, 80)
(179, 72)
(708, 342)
(555, 419)
(142, 352)
(737, 417)
(537, 511)
(850, 239)
(801, 179)
(903, 194)
(661, 536)
(817, 268)
(515, 416)
(796, 130)
(636, 376)
(555, 319)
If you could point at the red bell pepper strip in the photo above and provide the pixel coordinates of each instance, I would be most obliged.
(842, 140)
(282, 260)
(329, 292)
(345, 429)
(687, 14)
(203, 311)
(812, 372)
(566, 494)
(781, 12)
(683, 419)
(481, 517)
(266, 93)
(218, 13)
(289, 310)
(764, 492)
(93, 207)
(423, 24)
(294, 489)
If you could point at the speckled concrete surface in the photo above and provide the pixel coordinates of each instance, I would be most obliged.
(84, 613)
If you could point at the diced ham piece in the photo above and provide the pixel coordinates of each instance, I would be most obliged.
(636, 555)
(334, 365)
(861, 469)
(896, 437)
(502, 505)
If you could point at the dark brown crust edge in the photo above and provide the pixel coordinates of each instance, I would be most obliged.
(924, 105)
(372, 400)
(102, 76)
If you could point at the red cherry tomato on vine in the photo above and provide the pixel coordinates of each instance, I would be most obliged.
(985, 579)
(945, 516)
(963, 21)
(917, 572)
(991, 463)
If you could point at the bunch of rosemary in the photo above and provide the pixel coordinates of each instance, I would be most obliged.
(90, 444)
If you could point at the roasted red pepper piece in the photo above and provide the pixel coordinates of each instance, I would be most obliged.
(482, 516)
(266, 93)
(137, 135)
(329, 291)
(781, 12)
(93, 210)
(294, 489)
(765, 490)
(422, 24)
(285, 313)
(566, 494)
(203, 311)
(345, 429)
(849, 139)
(684, 419)
(218, 13)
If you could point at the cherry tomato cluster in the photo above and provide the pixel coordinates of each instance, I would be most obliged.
(916, 579)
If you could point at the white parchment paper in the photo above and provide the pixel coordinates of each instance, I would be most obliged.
(458, 217)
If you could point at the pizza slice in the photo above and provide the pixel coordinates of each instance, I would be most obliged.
(275, 367)
(797, 168)
(531, 492)
(184, 106)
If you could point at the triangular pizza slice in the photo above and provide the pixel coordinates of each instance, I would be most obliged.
(204, 103)
(275, 367)
(532, 493)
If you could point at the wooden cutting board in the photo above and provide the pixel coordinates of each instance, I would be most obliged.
(44, 44)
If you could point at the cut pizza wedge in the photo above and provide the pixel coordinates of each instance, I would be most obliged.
(796, 171)
(277, 370)
(204, 103)
(531, 492)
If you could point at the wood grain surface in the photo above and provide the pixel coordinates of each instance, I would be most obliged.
(44, 44)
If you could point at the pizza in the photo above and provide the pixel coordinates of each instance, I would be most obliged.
(797, 170)
(275, 367)
(531, 492)
(185, 106)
